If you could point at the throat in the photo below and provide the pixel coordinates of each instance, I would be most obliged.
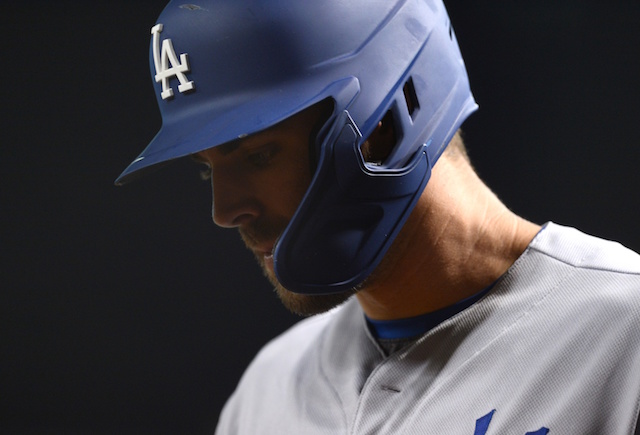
(395, 334)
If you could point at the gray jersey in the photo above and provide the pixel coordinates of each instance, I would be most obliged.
(554, 347)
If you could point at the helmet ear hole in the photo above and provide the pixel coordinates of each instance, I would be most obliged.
(381, 142)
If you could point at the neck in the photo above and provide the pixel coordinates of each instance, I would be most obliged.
(458, 240)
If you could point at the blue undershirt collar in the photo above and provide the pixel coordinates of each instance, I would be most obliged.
(418, 325)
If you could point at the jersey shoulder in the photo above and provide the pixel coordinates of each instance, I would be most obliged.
(581, 250)
(267, 394)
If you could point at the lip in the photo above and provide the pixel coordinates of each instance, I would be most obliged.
(266, 252)
(268, 261)
(263, 249)
(267, 258)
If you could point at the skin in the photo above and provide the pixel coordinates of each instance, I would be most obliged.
(458, 240)
(257, 183)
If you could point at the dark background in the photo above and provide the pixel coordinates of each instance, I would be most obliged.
(125, 311)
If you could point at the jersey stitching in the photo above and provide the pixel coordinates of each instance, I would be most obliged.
(364, 387)
(371, 375)
(585, 267)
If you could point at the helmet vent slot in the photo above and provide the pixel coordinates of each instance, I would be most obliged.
(410, 97)
(190, 7)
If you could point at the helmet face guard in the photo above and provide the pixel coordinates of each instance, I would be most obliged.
(230, 68)
(349, 216)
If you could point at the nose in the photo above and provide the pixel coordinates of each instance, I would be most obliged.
(234, 202)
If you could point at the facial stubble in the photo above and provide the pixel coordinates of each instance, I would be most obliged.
(300, 304)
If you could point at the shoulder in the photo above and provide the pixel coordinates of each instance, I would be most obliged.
(581, 277)
(283, 353)
(575, 248)
(285, 349)
(269, 388)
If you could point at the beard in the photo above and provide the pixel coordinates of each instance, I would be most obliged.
(306, 305)
(300, 304)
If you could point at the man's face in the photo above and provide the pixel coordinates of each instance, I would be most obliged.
(258, 183)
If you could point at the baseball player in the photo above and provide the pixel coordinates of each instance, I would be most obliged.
(330, 132)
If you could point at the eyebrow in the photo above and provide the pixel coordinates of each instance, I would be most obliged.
(224, 149)
(228, 148)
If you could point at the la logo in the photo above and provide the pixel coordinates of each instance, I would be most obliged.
(168, 66)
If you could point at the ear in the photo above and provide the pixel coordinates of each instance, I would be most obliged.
(381, 142)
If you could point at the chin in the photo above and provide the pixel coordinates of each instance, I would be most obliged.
(306, 305)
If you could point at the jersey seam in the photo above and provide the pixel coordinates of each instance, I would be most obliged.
(582, 266)
(636, 424)
(364, 388)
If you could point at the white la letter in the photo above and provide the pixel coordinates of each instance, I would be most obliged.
(167, 65)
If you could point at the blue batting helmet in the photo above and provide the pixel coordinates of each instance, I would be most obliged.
(225, 69)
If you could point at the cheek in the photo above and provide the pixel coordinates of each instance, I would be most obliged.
(290, 185)
(296, 191)
(301, 177)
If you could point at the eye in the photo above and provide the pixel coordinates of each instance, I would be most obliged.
(205, 174)
(263, 157)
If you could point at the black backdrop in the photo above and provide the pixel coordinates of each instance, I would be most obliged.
(124, 310)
